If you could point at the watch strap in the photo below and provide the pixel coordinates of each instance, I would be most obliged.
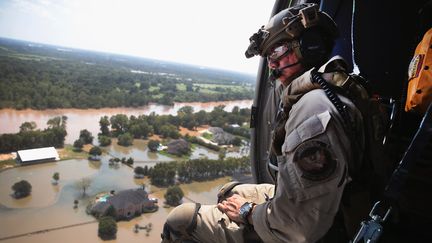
(245, 211)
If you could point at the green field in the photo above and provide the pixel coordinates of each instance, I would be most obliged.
(45, 77)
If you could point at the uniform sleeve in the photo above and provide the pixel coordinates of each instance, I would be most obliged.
(311, 178)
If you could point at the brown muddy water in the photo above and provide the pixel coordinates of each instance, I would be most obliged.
(143, 156)
(49, 210)
(79, 119)
(48, 215)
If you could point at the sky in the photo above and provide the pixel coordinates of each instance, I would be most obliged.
(199, 32)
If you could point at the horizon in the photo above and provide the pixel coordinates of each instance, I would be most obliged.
(206, 34)
(74, 49)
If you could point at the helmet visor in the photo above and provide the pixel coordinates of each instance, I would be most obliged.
(278, 53)
(281, 51)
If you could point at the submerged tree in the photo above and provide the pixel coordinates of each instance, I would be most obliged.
(104, 140)
(174, 195)
(119, 123)
(28, 126)
(78, 145)
(130, 161)
(21, 189)
(125, 139)
(153, 145)
(86, 136)
(56, 177)
(107, 228)
(83, 185)
(104, 126)
(139, 170)
(57, 122)
(96, 151)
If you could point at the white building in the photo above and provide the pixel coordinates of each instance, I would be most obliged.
(37, 155)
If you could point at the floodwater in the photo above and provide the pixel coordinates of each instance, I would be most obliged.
(50, 208)
(139, 152)
(48, 214)
(143, 156)
(79, 119)
(201, 152)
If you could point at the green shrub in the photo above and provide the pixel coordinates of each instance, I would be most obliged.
(174, 195)
(104, 141)
(153, 145)
(95, 151)
(107, 228)
(125, 139)
(22, 189)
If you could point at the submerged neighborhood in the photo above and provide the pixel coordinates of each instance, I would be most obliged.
(104, 145)
(110, 204)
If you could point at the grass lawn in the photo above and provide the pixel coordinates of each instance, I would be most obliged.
(184, 157)
(207, 135)
(68, 153)
(7, 163)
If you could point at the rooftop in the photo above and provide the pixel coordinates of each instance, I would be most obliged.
(38, 154)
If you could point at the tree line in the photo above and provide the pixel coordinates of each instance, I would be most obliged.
(36, 79)
(30, 137)
(167, 174)
(126, 128)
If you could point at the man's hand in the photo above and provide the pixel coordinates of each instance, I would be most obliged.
(231, 207)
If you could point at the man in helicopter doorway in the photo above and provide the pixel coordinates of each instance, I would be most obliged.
(312, 142)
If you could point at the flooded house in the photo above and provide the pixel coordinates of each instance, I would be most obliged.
(221, 137)
(126, 204)
(178, 147)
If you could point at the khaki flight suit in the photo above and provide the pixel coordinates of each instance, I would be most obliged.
(270, 111)
(312, 173)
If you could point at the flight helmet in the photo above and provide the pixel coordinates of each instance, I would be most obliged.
(307, 30)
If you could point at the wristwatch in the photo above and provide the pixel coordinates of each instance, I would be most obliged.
(245, 210)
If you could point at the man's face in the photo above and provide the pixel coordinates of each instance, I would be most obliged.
(282, 56)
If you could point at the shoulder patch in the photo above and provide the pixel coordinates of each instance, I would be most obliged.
(314, 160)
(311, 127)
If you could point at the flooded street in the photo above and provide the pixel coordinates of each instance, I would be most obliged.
(89, 119)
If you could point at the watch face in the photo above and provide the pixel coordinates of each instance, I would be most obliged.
(245, 210)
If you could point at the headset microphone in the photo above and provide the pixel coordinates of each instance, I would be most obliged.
(277, 72)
